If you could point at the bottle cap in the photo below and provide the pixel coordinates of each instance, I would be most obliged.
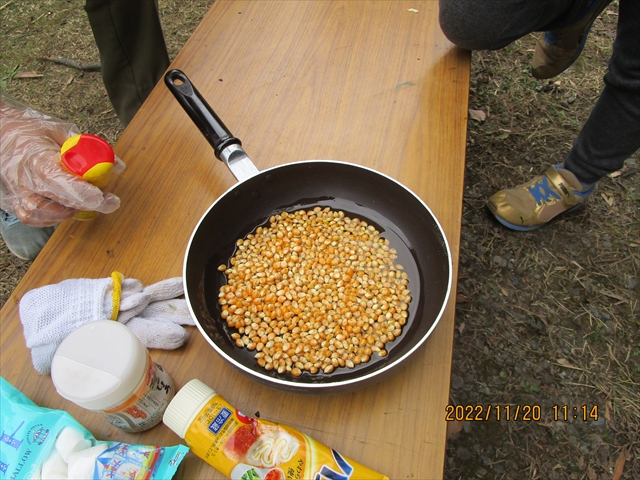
(186, 405)
(99, 365)
(88, 156)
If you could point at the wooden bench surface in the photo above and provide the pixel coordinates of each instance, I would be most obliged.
(367, 82)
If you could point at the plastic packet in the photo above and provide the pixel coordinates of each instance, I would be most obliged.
(41, 443)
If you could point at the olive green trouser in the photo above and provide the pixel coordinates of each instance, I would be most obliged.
(133, 53)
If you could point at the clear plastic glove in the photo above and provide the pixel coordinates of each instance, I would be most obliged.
(35, 186)
(153, 313)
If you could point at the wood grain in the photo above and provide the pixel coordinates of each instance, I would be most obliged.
(366, 82)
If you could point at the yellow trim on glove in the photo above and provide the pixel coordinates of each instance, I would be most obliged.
(116, 294)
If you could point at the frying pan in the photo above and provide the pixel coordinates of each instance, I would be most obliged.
(400, 215)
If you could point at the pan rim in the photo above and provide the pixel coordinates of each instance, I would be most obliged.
(292, 385)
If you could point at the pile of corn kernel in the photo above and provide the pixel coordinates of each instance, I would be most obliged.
(314, 291)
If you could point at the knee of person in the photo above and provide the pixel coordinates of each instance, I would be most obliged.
(465, 27)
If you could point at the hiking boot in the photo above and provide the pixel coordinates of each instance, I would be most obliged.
(558, 49)
(532, 204)
(23, 241)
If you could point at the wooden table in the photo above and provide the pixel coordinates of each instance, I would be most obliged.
(368, 82)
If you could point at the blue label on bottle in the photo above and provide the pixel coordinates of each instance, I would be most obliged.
(219, 421)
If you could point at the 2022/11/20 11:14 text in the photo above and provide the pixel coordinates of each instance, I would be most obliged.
(524, 413)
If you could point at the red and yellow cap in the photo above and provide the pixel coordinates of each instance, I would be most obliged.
(89, 157)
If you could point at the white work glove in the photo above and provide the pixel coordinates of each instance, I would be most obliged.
(153, 313)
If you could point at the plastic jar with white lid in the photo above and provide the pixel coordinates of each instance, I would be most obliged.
(102, 366)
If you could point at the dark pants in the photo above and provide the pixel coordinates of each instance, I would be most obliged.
(132, 49)
(612, 132)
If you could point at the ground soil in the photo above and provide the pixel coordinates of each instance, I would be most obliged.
(547, 321)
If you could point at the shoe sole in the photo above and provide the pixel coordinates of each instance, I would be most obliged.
(520, 228)
(580, 48)
(581, 45)
(18, 256)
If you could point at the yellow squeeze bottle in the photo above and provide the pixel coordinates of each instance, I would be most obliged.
(244, 448)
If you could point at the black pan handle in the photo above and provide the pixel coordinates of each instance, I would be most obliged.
(216, 133)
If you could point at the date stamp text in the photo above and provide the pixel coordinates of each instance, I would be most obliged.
(523, 413)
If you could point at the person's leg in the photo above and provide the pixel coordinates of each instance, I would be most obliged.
(612, 132)
(132, 49)
(610, 135)
(493, 24)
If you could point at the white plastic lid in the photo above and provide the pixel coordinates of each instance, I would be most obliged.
(186, 405)
(99, 365)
